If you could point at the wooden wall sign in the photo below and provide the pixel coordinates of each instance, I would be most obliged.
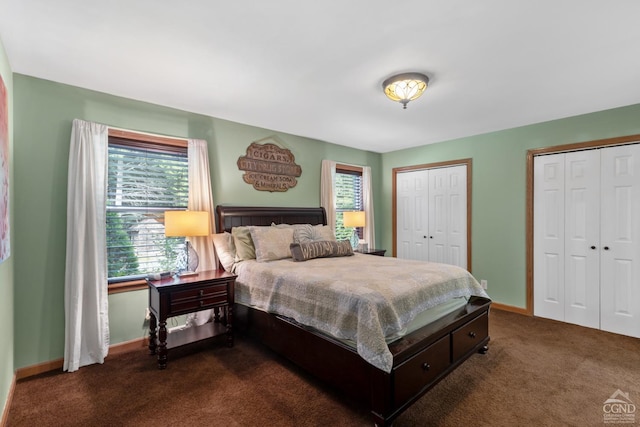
(269, 168)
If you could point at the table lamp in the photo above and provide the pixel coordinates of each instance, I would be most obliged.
(354, 219)
(187, 224)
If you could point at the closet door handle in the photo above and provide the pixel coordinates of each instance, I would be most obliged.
(606, 248)
(593, 247)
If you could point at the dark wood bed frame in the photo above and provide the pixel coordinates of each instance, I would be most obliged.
(420, 359)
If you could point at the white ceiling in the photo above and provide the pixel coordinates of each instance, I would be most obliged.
(315, 68)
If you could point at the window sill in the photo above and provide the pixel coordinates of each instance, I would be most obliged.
(134, 285)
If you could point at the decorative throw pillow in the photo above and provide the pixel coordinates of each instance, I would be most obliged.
(243, 243)
(271, 243)
(320, 249)
(225, 249)
(313, 233)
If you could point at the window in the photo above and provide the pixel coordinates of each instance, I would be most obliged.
(348, 193)
(144, 180)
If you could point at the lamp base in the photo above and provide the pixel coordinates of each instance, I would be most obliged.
(354, 240)
(187, 261)
(192, 258)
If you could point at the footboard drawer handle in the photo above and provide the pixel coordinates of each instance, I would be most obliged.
(426, 366)
(472, 334)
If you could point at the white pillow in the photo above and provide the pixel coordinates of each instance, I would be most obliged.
(272, 243)
(225, 249)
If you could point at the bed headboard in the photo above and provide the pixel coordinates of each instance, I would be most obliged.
(235, 216)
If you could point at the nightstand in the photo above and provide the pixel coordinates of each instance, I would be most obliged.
(379, 252)
(174, 295)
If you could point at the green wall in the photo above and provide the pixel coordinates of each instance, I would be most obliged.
(6, 267)
(499, 188)
(43, 114)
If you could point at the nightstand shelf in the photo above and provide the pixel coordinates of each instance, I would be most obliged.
(193, 334)
(174, 295)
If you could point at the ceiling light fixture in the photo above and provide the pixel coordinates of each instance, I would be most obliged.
(405, 87)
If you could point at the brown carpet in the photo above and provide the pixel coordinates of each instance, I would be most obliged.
(537, 373)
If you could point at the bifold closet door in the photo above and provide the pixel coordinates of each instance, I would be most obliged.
(566, 237)
(432, 215)
(448, 215)
(620, 237)
(548, 237)
(582, 238)
(587, 238)
(412, 216)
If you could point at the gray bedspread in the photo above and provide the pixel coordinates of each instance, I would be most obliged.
(362, 297)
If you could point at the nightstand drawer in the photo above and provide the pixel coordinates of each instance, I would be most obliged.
(199, 298)
(468, 336)
(421, 370)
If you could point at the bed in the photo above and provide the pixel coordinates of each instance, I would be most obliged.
(416, 361)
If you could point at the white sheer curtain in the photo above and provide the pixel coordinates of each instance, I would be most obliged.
(327, 195)
(328, 200)
(367, 200)
(201, 199)
(86, 297)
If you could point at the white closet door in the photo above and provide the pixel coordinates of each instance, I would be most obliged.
(458, 216)
(582, 238)
(438, 214)
(432, 215)
(620, 254)
(548, 225)
(448, 215)
(412, 215)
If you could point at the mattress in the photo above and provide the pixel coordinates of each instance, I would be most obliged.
(361, 299)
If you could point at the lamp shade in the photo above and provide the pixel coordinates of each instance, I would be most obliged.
(186, 223)
(353, 219)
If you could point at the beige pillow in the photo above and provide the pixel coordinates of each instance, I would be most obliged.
(325, 232)
(225, 249)
(313, 233)
(271, 243)
(293, 226)
(243, 243)
(320, 249)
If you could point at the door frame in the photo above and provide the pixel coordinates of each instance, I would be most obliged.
(394, 197)
(600, 143)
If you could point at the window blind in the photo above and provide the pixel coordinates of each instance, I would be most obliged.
(348, 191)
(143, 182)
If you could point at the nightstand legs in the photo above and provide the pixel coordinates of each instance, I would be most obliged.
(162, 344)
(229, 320)
(158, 345)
